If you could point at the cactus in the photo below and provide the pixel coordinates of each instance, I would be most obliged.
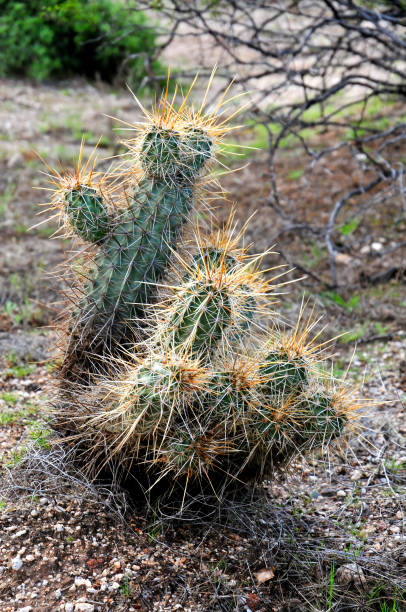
(135, 238)
(215, 392)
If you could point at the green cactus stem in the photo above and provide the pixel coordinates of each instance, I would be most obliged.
(87, 214)
(199, 321)
(325, 421)
(283, 374)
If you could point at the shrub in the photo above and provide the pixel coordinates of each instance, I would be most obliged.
(50, 38)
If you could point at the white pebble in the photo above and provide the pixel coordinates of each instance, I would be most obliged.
(68, 607)
(84, 607)
(114, 586)
(59, 527)
(79, 581)
(16, 563)
(356, 475)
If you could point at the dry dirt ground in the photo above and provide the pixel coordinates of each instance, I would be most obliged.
(330, 535)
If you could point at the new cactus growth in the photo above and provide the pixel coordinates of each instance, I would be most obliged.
(214, 392)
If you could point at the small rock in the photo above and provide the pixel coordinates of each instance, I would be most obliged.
(350, 573)
(343, 258)
(29, 558)
(25, 609)
(114, 586)
(340, 493)
(84, 607)
(16, 563)
(377, 246)
(15, 160)
(59, 527)
(57, 593)
(79, 581)
(20, 533)
(356, 475)
(44, 501)
(68, 607)
(328, 492)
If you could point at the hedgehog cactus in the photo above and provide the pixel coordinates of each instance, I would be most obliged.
(213, 392)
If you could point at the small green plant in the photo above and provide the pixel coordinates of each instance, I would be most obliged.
(6, 198)
(22, 313)
(350, 227)
(355, 335)
(295, 174)
(349, 304)
(125, 588)
(40, 434)
(9, 398)
(381, 329)
(331, 587)
(394, 603)
(20, 371)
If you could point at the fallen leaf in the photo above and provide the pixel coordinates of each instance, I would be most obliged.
(264, 575)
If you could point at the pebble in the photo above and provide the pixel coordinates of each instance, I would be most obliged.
(356, 475)
(29, 558)
(59, 527)
(351, 572)
(68, 607)
(114, 586)
(25, 609)
(340, 493)
(16, 563)
(57, 593)
(15, 160)
(43, 501)
(84, 607)
(79, 581)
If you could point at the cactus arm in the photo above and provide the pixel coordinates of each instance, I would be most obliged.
(138, 249)
(87, 214)
(201, 319)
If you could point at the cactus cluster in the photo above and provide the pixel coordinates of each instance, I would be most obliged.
(213, 390)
